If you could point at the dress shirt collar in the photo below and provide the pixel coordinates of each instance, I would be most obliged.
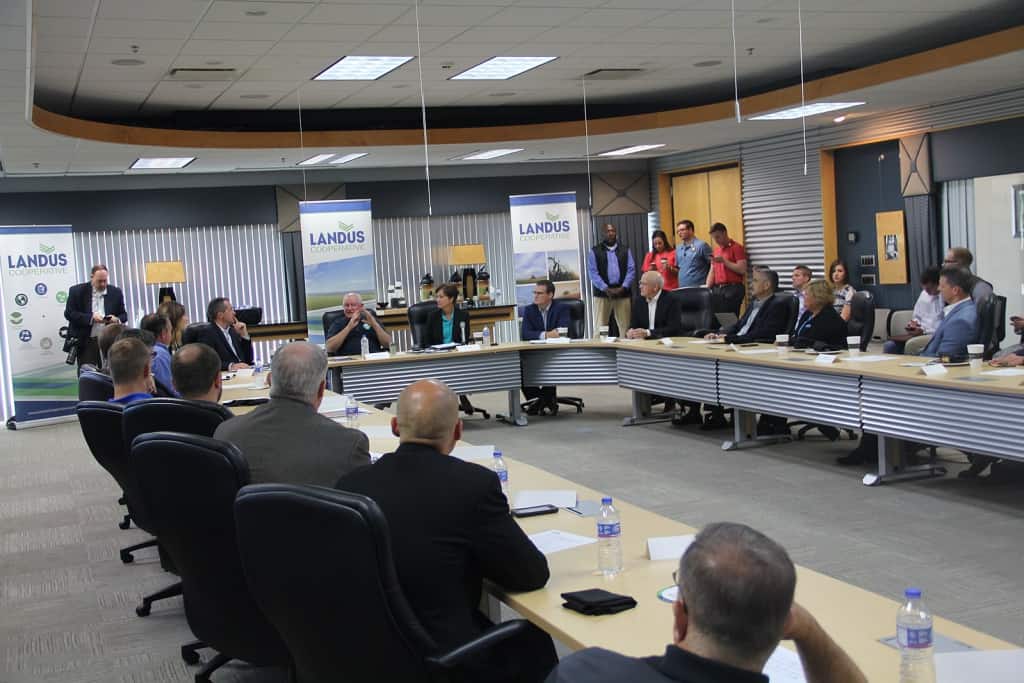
(949, 308)
(653, 301)
(99, 292)
(681, 665)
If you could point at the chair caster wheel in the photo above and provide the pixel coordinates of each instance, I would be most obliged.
(127, 557)
(190, 656)
(143, 611)
(126, 524)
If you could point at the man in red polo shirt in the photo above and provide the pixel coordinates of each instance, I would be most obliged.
(728, 273)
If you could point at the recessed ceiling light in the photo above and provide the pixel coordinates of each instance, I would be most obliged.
(127, 62)
(629, 150)
(707, 62)
(503, 94)
(315, 159)
(253, 96)
(162, 162)
(765, 20)
(501, 68)
(807, 110)
(255, 12)
(357, 68)
(490, 154)
(194, 86)
(348, 157)
(840, 119)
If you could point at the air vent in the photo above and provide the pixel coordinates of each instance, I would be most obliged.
(612, 74)
(203, 73)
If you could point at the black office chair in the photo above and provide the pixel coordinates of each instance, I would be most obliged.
(991, 323)
(793, 308)
(695, 309)
(351, 591)
(189, 484)
(329, 317)
(191, 334)
(102, 426)
(862, 318)
(577, 328)
(95, 386)
(200, 418)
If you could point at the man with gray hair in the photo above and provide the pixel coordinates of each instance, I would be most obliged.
(286, 440)
(735, 604)
(656, 313)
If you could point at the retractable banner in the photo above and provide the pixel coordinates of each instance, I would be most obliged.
(38, 387)
(337, 257)
(545, 244)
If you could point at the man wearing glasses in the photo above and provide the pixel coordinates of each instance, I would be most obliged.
(542, 320)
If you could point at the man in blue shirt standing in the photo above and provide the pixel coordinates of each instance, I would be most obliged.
(612, 270)
(693, 256)
(129, 368)
(160, 326)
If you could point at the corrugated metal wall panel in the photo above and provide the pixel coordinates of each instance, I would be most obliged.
(242, 262)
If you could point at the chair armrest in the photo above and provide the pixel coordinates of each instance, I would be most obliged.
(897, 321)
(700, 333)
(486, 640)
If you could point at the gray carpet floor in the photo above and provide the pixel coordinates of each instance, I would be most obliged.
(67, 602)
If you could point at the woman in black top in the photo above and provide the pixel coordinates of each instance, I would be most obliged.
(820, 327)
(446, 323)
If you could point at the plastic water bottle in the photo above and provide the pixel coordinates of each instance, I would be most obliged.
(502, 472)
(914, 633)
(257, 366)
(609, 539)
(351, 412)
(487, 336)
(364, 347)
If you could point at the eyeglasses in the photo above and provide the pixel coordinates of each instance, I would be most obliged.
(675, 576)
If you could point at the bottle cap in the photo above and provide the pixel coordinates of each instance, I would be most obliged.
(607, 500)
(912, 593)
(497, 454)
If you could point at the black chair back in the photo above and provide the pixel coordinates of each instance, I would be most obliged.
(189, 484)
(792, 305)
(695, 305)
(349, 590)
(577, 317)
(990, 311)
(329, 317)
(172, 415)
(419, 314)
(191, 334)
(862, 318)
(95, 386)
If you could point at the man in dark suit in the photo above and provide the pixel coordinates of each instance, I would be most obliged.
(90, 306)
(450, 529)
(286, 440)
(541, 320)
(765, 316)
(667, 321)
(227, 335)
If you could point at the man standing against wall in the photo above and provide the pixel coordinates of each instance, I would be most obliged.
(728, 272)
(612, 269)
(90, 306)
(693, 256)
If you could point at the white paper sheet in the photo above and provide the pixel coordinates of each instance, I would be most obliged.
(531, 498)
(867, 359)
(1005, 372)
(704, 341)
(756, 352)
(553, 540)
(377, 431)
(378, 355)
(557, 340)
(990, 666)
(332, 405)
(784, 667)
(467, 347)
(668, 547)
(375, 456)
(484, 452)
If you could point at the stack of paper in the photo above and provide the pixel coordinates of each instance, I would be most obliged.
(668, 547)
(485, 452)
(558, 498)
(990, 666)
(553, 540)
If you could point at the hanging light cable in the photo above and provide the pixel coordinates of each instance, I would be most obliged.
(586, 142)
(302, 144)
(423, 109)
(803, 102)
(735, 68)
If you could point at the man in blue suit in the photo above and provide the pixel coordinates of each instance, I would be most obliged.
(959, 326)
(541, 320)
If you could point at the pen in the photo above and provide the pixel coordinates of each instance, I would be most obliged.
(574, 510)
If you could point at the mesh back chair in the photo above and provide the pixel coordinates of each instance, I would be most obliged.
(695, 306)
(189, 484)
(351, 589)
(172, 415)
(577, 328)
(101, 423)
(862, 318)
(95, 386)
(191, 334)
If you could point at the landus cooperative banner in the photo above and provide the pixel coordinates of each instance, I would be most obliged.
(545, 244)
(36, 384)
(337, 257)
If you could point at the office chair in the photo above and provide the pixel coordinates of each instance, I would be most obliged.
(95, 386)
(862, 318)
(695, 308)
(351, 589)
(419, 316)
(792, 310)
(191, 334)
(102, 427)
(189, 484)
(200, 418)
(991, 323)
(328, 319)
(577, 328)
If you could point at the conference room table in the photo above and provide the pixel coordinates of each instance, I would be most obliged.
(856, 618)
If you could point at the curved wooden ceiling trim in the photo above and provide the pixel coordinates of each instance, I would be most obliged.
(947, 56)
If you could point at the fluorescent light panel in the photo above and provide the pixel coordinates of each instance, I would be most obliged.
(807, 110)
(490, 154)
(349, 157)
(629, 150)
(162, 162)
(315, 159)
(501, 68)
(360, 68)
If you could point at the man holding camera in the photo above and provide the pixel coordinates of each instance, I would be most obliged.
(346, 334)
(90, 306)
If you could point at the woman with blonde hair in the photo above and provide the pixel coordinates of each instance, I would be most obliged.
(820, 326)
(175, 312)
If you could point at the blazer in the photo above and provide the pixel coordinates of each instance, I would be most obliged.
(435, 331)
(825, 331)
(78, 309)
(286, 441)
(212, 337)
(770, 321)
(450, 529)
(668, 316)
(533, 321)
(955, 332)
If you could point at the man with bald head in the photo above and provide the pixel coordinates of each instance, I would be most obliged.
(451, 529)
(345, 335)
(656, 313)
(195, 372)
(286, 440)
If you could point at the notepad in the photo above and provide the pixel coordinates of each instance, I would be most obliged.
(557, 497)
(1004, 372)
(485, 452)
(868, 359)
(553, 541)
(990, 666)
(784, 667)
(377, 431)
(756, 352)
(668, 547)
(467, 347)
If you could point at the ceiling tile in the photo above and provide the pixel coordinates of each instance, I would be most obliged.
(235, 10)
(61, 8)
(252, 48)
(240, 30)
(616, 18)
(61, 26)
(237, 62)
(449, 15)
(146, 46)
(128, 28)
(67, 44)
(407, 34)
(160, 10)
(328, 32)
(330, 51)
(573, 34)
(353, 14)
(534, 16)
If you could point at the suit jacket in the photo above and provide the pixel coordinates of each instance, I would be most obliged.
(78, 309)
(212, 337)
(955, 332)
(435, 331)
(450, 529)
(286, 441)
(533, 321)
(668, 316)
(825, 331)
(771, 320)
